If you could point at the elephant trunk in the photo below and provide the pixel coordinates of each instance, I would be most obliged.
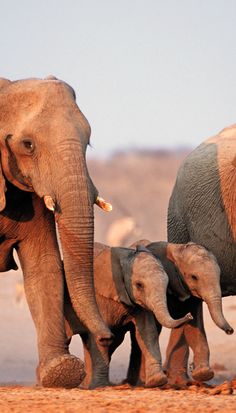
(74, 216)
(215, 308)
(162, 315)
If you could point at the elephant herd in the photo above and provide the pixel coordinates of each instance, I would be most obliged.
(103, 292)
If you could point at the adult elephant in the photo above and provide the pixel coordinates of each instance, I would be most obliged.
(43, 140)
(202, 210)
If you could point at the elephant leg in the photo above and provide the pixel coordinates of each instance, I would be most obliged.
(135, 361)
(148, 340)
(43, 281)
(88, 364)
(196, 338)
(97, 361)
(177, 353)
(191, 335)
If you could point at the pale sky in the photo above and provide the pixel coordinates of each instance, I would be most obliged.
(147, 73)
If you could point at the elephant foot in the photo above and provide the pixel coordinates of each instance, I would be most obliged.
(178, 379)
(94, 385)
(64, 371)
(156, 380)
(90, 383)
(204, 373)
(99, 385)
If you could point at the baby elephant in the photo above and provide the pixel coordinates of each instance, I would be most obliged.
(130, 288)
(192, 271)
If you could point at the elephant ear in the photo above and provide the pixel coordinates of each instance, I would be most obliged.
(2, 190)
(174, 253)
(120, 262)
(144, 242)
(3, 84)
(142, 248)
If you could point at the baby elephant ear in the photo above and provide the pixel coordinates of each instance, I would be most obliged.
(144, 242)
(141, 248)
(119, 261)
(175, 253)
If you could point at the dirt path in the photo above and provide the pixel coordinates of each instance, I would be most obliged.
(17, 399)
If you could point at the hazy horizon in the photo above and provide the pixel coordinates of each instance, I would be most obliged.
(150, 74)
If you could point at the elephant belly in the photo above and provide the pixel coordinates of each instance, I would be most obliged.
(114, 314)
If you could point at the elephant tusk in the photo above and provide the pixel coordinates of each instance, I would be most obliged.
(103, 204)
(50, 204)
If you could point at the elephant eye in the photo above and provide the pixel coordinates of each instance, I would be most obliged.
(28, 144)
(139, 285)
(194, 277)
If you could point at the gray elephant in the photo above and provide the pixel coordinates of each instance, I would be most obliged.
(192, 270)
(130, 287)
(202, 209)
(43, 140)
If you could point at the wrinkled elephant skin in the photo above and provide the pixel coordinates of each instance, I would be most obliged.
(128, 284)
(202, 210)
(43, 140)
(194, 274)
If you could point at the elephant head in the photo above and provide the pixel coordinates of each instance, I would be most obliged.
(43, 140)
(140, 279)
(200, 271)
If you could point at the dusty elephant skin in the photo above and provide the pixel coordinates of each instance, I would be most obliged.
(192, 271)
(43, 139)
(202, 209)
(130, 289)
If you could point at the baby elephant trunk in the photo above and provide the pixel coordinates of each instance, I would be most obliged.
(215, 308)
(163, 316)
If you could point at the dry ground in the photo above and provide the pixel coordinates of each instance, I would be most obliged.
(113, 400)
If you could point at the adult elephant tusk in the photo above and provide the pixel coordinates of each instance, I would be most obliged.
(106, 206)
(50, 204)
